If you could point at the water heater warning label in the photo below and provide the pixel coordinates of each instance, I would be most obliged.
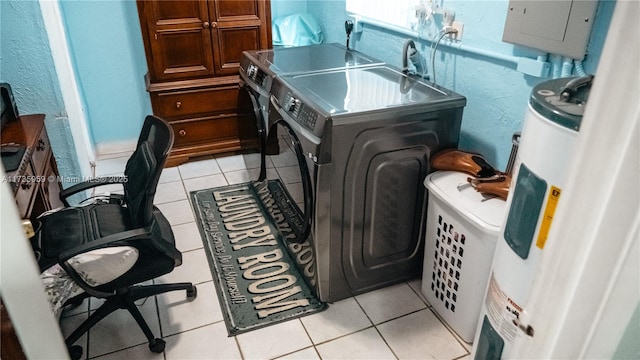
(502, 311)
(547, 218)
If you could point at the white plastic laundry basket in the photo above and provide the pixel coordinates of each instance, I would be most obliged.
(461, 232)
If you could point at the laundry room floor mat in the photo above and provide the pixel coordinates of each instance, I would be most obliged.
(257, 281)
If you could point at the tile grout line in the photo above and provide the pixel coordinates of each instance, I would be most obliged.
(303, 348)
(453, 333)
(313, 345)
(386, 343)
(235, 338)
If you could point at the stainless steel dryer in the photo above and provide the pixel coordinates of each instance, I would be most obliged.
(365, 138)
(259, 68)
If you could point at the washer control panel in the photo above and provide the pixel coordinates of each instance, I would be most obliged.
(256, 75)
(301, 113)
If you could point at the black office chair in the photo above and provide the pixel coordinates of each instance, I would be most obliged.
(117, 220)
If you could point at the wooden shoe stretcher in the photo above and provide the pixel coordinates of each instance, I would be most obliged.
(486, 179)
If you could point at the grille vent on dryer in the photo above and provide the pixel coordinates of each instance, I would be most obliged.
(447, 263)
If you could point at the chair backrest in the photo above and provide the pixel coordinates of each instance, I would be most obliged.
(144, 168)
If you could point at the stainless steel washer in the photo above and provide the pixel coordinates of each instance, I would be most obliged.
(367, 135)
(259, 68)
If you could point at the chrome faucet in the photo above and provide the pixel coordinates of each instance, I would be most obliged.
(409, 51)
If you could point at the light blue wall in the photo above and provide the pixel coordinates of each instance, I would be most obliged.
(106, 46)
(26, 63)
(108, 54)
(497, 95)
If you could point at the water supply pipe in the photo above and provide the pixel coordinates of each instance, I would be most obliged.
(556, 62)
(469, 49)
(567, 67)
(579, 68)
(509, 59)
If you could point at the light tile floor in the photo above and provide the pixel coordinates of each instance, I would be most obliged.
(391, 323)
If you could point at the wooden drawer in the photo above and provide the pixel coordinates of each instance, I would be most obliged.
(41, 152)
(189, 132)
(190, 103)
(52, 186)
(26, 184)
(35, 183)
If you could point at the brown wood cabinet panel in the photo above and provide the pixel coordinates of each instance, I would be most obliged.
(196, 102)
(241, 141)
(190, 55)
(25, 189)
(237, 10)
(35, 183)
(171, 12)
(41, 152)
(177, 39)
(10, 347)
(231, 44)
(199, 131)
(193, 51)
(240, 25)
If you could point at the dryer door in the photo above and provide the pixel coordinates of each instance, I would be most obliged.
(262, 128)
(289, 187)
(290, 167)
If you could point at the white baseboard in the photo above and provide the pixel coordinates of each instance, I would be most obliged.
(115, 149)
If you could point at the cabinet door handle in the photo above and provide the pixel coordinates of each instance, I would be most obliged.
(178, 104)
(214, 25)
(205, 24)
(40, 146)
(182, 133)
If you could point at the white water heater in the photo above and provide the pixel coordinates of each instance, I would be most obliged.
(546, 148)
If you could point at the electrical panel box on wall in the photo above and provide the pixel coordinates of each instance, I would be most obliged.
(560, 27)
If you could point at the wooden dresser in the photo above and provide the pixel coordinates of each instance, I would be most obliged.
(193, 51)
(35, 183)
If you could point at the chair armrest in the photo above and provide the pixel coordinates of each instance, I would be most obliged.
(86, 185)
(111, 240)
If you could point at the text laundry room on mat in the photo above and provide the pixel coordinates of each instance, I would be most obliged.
(244, 229)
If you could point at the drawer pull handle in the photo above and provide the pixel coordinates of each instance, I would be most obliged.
(182, 133)
(40, 146)
(178, 104)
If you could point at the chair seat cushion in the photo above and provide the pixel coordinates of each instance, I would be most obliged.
(71, 227)
(64, 230)
(107, 269)
(96, 267)
(102, 266)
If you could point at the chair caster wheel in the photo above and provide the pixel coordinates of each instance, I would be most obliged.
(75, 352)
(192, 292)
(157, 345)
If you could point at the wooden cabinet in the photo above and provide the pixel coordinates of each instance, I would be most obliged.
(10, 347)
(193, 51)
(35, 183)
(36, 188)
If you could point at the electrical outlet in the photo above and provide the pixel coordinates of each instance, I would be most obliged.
(449, 16)
(457, 25)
